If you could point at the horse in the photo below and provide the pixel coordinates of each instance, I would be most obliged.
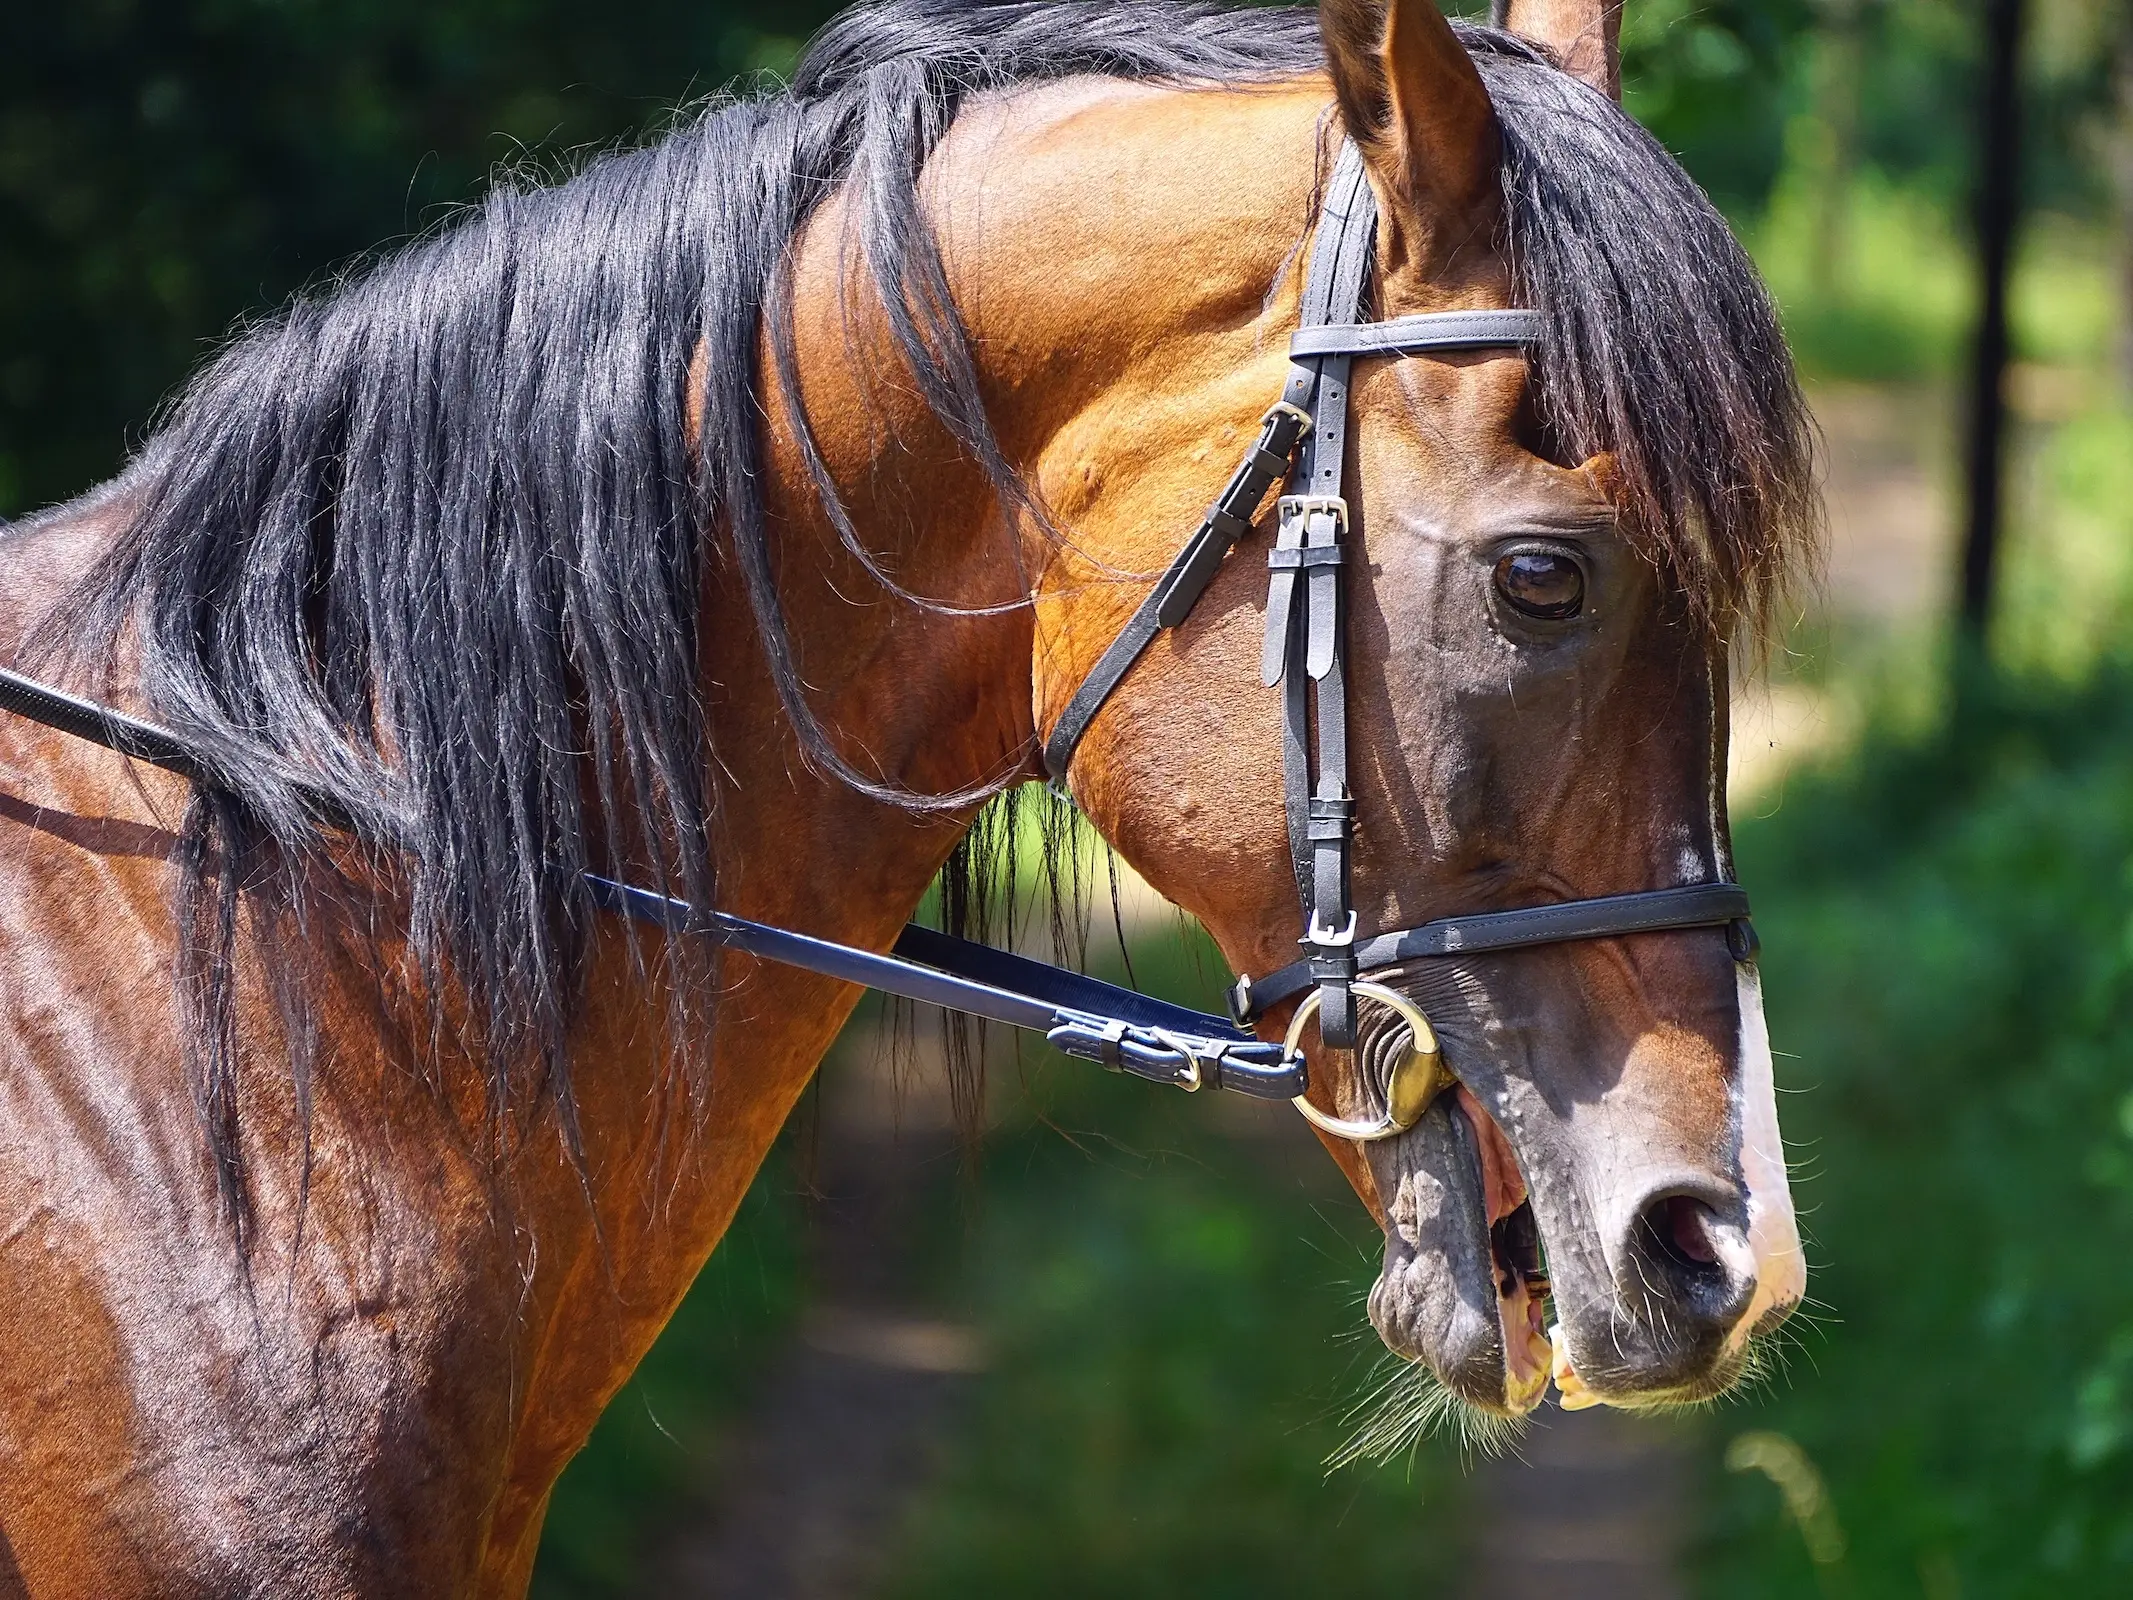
(738, 516)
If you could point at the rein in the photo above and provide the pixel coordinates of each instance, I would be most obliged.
(1302, 443)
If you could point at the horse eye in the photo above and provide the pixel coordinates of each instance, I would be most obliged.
(1541, 584)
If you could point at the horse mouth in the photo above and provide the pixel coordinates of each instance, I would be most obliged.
(1518, 1266)
(1464, 1287)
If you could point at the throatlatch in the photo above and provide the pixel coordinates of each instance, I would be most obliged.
(1302, 441)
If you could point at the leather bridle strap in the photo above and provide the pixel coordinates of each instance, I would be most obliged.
(1429, 333)
(1305, 641)
(1701, 905)
(1305, 632)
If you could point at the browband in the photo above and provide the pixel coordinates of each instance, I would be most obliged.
(1415, 335)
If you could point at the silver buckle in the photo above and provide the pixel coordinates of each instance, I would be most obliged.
(1192, 1071)
(1326, 938)
(1307, 505)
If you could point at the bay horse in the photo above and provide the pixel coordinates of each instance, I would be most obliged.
(739, 515)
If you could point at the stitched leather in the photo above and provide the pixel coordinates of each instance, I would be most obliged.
(1431, 330)
(1317, 788)
(1703, 905)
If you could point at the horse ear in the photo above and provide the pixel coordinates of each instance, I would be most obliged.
(1414, 104)
(1586, 35)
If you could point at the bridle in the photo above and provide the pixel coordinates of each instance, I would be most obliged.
(1303, 443)
(1305, 642)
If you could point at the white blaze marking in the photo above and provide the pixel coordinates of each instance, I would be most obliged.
(1773, 1232)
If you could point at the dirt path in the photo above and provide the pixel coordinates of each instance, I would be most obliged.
(1591, 1508)
(804, 1503)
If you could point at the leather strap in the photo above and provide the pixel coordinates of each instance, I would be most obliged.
(1080, 1015)
(1175, 593)
(1702, 905)
(130, 736)
(1429, 331)
(1321, 811)
(99, 724)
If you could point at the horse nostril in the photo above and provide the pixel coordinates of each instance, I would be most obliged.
(1685, 1275)
(1680, 1226)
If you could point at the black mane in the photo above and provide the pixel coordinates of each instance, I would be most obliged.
(434, 542)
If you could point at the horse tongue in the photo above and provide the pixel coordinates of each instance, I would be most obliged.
(1503, 1186)
(1526, 1346)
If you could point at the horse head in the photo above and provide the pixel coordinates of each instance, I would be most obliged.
(1536, 673)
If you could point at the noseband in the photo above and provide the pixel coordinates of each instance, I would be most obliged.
(1303, 443)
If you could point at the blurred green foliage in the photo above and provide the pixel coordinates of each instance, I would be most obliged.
(1898, 302)
(1175, 1322)
(661, 1433)
(1716, 80)
(1949, 964)
(170, 166)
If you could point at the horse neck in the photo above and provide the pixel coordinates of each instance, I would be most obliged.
(1064, 257)
(1119, 384)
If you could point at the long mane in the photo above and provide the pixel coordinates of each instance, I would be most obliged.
(434, 542)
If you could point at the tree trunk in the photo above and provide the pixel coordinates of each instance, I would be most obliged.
(1998, 213)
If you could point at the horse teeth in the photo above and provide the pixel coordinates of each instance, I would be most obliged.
(1570, 1391)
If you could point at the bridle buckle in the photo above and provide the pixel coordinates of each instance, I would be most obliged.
(1304, 506)
(1326, 938)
